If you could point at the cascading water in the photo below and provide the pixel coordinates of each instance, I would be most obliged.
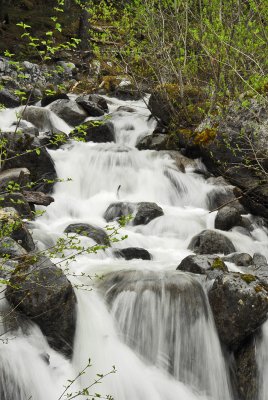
(153, 324)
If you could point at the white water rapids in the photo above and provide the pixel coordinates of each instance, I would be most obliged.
(152, 323)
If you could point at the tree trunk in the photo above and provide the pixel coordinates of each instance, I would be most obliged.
(83, 30)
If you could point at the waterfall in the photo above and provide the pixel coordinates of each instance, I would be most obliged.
(151, 322)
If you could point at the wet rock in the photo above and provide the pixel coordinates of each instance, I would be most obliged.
(146, 212)
(211, 242)
(94, 131)
(9, 247)
(201, 264)
(143, 212)
(25, 152)
(239, 303)
(93, 104)
(246, 371)
(182, 162)
(240, 259)
(69, 111)
(259, 260)
(46, 100)
(117, 210)
(53, 140)
(156, 141)
(224, 196)
(42, 292)
(126, 109)
(90, 231)
(227, 217)
(8, 99)
(131, 253)
(40, 118)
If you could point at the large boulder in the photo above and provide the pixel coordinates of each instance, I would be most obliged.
(23, 151)
(46, 100)
(240, 259)
(69, 111)
(94, 131)
(18, 202)
(41, 291)
(202, 264)
(90, 231)
(142, 212)
(211, 242)
(239, 303)
(238, 149)
(131, 253)
(227, 217)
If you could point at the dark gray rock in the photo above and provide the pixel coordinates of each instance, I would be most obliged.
(227, 217)
(94, 131)
(91, 231)
(223, 196)
(131, 253)
(38, 198)
(25, 152)
(239, 303)
(143, 212)
(201, 264)
(146, 212)
(46, 100)
(8, 99)
(240, 259)
(93, 104)
(69, 111)
(9, 247)
(211, 242)
(156, 141)
(246, 370)
(42, 292)
(126, 109)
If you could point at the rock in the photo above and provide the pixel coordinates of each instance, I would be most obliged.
(94, 131)
(117, 210)
(25, 151)
(38, 198)
(211, 242)
(182, 162)
(41, 118)
(246, 370)
(239, 303)
(259, 260)
(227, 217)
(46, 100)
(224, 196)
(18, 202)
(21, 176)
(42, 292)
(126, 109)
(8, 99)
(201, 264)
(69, 111)
(240, 259)
(11, 225)
(131, 253)
(238, 150)
(146, 212)
(156, 141)
(53, 140)
(9, 247)
(6, 268)
(93, 104)
(143, 212)
(90, 231)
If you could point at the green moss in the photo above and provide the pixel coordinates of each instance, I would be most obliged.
(218, 264)
(248, 278)
(258, 288)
